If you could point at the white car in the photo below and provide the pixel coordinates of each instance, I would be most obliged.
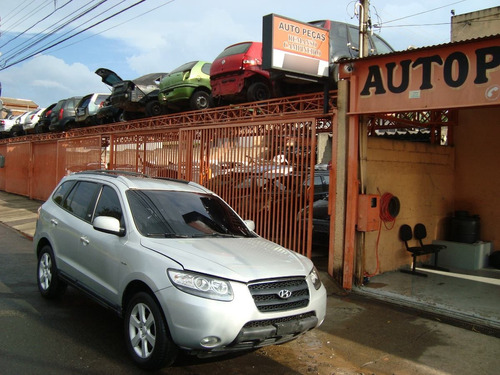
(31, 120)
(181, 267)
(6, 125)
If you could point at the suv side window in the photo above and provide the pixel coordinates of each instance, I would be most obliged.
(109, 205)
(61, 192)
(80, 199)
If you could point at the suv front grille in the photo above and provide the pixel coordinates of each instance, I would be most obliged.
(266, 294)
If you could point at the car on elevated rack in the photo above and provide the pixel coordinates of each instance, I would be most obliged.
(43, 122)
(17, 129)
(236, 74)
(344, 43)
(87, 108)
(6, 125)
(62, 116)
(136, 98)
(31, 120)
(187, 86)
(177, 263)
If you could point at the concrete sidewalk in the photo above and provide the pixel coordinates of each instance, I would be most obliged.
(19, 213)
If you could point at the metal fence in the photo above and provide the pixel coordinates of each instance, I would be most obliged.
(262, 167)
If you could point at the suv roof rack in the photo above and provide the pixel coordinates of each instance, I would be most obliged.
(114, 173)
(117, 172)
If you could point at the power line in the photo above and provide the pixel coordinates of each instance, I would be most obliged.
(427, 11)
(71, 36)
(32, 26)
(45, 34)
(117, 25)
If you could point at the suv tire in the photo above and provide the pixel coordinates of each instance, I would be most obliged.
(146, 333)
(258, 91)
(49, 284)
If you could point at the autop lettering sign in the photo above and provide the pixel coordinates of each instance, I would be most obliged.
(452, 76)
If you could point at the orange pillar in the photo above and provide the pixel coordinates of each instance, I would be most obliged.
(351, 201)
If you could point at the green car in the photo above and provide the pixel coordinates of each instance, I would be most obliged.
(187, 87)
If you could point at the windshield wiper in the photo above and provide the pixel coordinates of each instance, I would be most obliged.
(166, 235)
(215, 234)
(175, 235)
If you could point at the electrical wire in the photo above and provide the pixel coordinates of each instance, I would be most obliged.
(426, 11)
(47, 32)
(32, 26)
(71, 36)
(117, 25)
(50, 31)
(389, 210)
(67, 24)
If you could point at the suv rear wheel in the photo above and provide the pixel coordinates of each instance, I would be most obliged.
(146, 333)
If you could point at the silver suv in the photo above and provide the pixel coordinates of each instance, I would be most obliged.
(177, 263)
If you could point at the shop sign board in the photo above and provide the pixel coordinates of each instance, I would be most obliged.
(291, 46)
(456, 75)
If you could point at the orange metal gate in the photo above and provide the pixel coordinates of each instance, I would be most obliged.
(262, 170)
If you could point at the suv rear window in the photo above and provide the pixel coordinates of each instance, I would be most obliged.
(79, 199)
(234, 50)
(61, 192)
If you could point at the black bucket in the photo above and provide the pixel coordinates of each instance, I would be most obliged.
(465, 227)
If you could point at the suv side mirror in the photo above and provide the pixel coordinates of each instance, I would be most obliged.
(250, 224)
(108, 224)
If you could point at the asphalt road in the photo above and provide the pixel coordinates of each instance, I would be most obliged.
(76, 336)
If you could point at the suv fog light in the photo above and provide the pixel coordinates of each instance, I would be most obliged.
(210, 342)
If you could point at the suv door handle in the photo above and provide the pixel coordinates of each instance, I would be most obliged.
(54, 221)
(84, 240)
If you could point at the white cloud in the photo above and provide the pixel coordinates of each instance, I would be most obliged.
(47, 79)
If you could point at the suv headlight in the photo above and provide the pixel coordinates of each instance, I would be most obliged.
(201, 285)
(314, 277)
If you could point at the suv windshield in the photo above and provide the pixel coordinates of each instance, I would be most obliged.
(159, 213)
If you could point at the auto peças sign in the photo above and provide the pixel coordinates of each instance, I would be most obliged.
(456, 75)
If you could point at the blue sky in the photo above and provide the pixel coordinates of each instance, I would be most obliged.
(177, 31)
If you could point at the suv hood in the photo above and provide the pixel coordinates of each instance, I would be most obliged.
(240, 259)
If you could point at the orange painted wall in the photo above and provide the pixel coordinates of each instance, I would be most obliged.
(477, 180)
(422, 177)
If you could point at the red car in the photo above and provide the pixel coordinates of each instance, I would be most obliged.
(237, 74)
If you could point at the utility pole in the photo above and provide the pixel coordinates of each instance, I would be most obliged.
(364, 48)
(364, 22)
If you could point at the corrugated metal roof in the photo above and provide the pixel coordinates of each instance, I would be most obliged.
(425, 48)
(18, 103)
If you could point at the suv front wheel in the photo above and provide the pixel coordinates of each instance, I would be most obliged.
(146, 333)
